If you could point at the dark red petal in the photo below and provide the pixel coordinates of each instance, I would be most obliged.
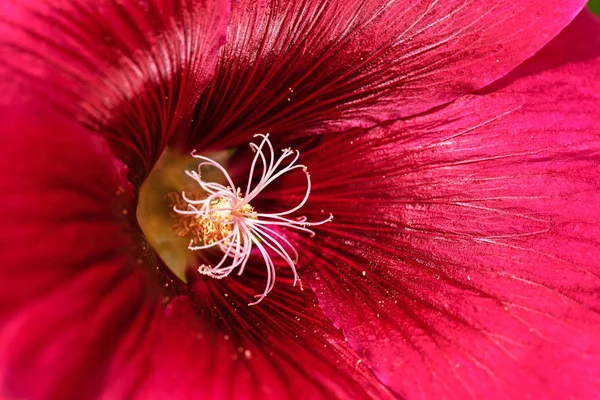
(69, 291)
(218, 347)
(463, 258)
(130, 69)
(297, 66)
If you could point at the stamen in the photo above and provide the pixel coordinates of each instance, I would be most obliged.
(222, 217)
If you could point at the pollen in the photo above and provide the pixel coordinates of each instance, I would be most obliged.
(218, 224)
(219, 216)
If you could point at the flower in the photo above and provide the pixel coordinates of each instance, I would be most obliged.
(455, 143)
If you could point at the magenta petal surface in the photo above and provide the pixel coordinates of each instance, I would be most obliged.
(71, 288)
(463, 258)
(320, 66)
(212, 345)
(130, 69)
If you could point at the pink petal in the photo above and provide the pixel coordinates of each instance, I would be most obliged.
(297, 66)
(463, 258)
(71, 286)
(130, 69)
(217, 347)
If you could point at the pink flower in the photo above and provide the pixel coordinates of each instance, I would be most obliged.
(456, 145)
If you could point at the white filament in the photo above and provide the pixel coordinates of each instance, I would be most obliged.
(249, 229)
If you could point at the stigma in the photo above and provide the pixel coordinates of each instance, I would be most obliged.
(220, 216)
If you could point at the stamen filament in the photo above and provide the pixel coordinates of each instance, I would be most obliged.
(228, 221)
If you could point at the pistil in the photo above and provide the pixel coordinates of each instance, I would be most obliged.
(220, 216)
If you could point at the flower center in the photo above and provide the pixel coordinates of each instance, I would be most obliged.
(219, 216)
(216, 226)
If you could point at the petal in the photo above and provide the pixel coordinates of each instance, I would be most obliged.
(218, 347)
(463, 258)
(320, 66)
(129, 69)
(71, 287)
